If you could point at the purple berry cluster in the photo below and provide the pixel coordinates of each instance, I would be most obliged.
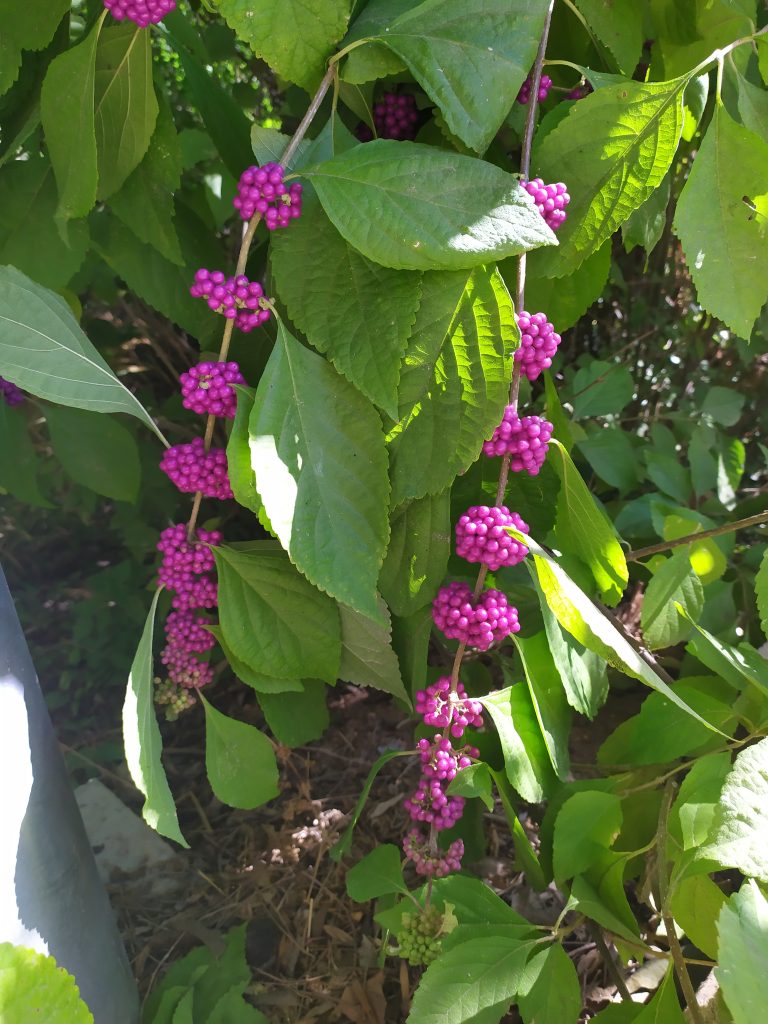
(477, 623)
(261, 190)
(524, 96)
(142, 12)
(430, 804)
(551, 200)
(187, 570)
(525, 439)
(579, 92)
(191, 468)
(207, 389)
(236, 298)
(395, 116)
(9, 391)
(482, 537)
(538, 343)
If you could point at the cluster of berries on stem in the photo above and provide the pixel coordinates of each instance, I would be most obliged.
(395, 116)
(10, 393)
(525, 439)
(141, 12)
(551, 200)
(236, 298)
(262, 190)
(524, 96)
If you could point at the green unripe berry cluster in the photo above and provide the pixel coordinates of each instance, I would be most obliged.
(419, 942)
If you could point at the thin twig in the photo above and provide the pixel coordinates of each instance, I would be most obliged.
(716, 531)
(242, 260)
(617, 977)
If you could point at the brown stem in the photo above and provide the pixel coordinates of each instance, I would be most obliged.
(242, 260)
(716, 531)
(596, 932)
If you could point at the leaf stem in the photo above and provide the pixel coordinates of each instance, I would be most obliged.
(607, 957)
(716, 531)
(242, 261)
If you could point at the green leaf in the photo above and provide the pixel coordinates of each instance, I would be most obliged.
(378, 873)
(143, 743)
(367, 657)
(729, 168)
(241, 476)
(417, 556)
(223, 118)
(358, 313)
(695, 905)
(32, 26)
(743, 931)
(43, 350)
(160, 283)
(67, 112)
(664, 1007)
(619, 25)
(317, 449)
(584, 530)
(125, 109)
(662, 732)
(239, 761)
(473, 781)
(669, 475)
(10, 63)
(646, 224)
(761, 592)
(433, 210)
(295, 37)
(587, 825)
(526, 759)
(724, 405)
(673, 583)
(32, 987)
(582, 673)
(550, 991)
(454, 383)
(596, 904)
(752, 104)
(474, 902)
(548, 699)
(28, 200)
(373, 60)
(739, 834)
(95, 451)
(145, 201)
(471, 57)
(600, 389)
(473, 977)
(247, 675)
(693, 812)
(272, 618)
(18, 458)
(611, 455)
(297, 718)
(578, 614)
(229, 972)
(565, 299)
(734, 664)
(617, 144)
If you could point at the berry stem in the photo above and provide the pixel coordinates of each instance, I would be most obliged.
(514, 387)
(242, 260)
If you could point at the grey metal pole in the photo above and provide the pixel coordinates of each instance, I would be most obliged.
(51, 897)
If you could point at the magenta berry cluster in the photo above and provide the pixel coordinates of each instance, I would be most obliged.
(262, 190)
(432, 863)
(142, 12)
(525, 439)
(524, 96)
(207, 389)
(187, 569)
(449, 708)
(479, 622)
(579, 92)
(191, 468)
(395, 116)
(551, 200)
(538, 343)
(236, 298)
(11, 394)
(430, 804)
(482, 536)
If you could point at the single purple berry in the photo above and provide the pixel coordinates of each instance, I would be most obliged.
(9, 391)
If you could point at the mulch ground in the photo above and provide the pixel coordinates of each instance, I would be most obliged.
(315, 955)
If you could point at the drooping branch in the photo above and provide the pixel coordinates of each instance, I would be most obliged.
(716, 531)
